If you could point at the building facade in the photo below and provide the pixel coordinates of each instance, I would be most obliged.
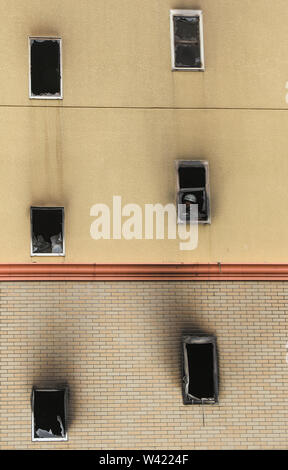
(107, 318)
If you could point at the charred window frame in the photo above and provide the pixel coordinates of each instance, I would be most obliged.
(187, 42)
(47, 231)
(45, 68)
(200, 370)
(49, 414)
(193, 183)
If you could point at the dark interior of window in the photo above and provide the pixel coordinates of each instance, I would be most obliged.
(49, 414)
(187, 56)
(45, 67)
(187, 28)
(200, 366)
(192, 183)
(200, 199)
(187, 41)
(47, 230)
(192, 176)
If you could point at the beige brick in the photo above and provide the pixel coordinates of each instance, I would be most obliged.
(117, 346)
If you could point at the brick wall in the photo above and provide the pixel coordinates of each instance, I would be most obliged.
(117, 346)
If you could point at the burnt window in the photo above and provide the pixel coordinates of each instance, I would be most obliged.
(47, 231)
(200, 371)
(193, 188)
(45, 68)
(187, 39)
(49, 414)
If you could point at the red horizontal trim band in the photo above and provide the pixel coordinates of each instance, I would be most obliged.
(142, 272)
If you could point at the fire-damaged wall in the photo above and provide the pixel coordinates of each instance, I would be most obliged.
(117, 347)
(126, 117)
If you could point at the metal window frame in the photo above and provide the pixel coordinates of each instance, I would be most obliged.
(31, 227)
(187, 398)
(48, 439)
(186, 13)
(45, 97)
(193, 163)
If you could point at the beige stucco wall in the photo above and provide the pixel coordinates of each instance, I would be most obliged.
(92, 145)
(80, 157)
(118, 53)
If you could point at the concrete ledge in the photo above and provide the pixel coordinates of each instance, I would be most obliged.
(142, 272)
